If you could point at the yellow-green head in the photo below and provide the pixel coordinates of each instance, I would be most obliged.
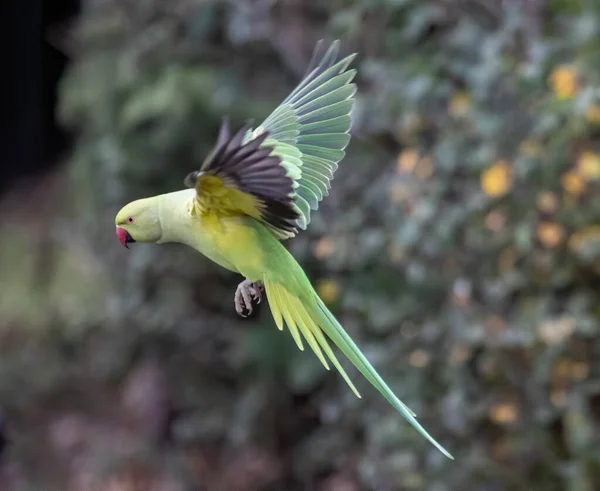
(139, 221)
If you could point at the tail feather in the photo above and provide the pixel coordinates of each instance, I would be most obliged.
(308, 327)
(282, 301)
(339, 336)
(314, 319)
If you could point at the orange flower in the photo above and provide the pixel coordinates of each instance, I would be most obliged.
(592, 115)
(407, 160)
(504, 413)
(328, 290)
(550, 234)
(563, 81)
(572, 183)
(588, 165)
(497, 180)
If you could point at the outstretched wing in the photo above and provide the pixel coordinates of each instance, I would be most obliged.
(310, 129)
(240, 178)
(283, 169)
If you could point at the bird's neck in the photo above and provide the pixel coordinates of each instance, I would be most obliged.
(174, 212)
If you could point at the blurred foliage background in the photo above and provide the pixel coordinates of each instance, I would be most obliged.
(460, 247)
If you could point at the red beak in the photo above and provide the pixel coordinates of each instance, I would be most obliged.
(123, 236)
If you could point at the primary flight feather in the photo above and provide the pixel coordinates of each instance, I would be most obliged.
(258, 186)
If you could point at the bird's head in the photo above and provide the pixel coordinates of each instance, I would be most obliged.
(139, 221)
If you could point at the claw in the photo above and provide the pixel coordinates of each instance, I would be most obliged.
(247, 292)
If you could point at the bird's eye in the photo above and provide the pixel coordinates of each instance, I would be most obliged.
(130, 219)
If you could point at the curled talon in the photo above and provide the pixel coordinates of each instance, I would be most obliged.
(246, 293)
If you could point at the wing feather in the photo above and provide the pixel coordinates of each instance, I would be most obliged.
(281, 171)
(245, 178)
(314, 120)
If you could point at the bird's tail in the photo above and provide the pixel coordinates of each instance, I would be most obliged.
(309, 319)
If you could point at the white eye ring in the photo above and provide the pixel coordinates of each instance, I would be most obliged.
(130, 219)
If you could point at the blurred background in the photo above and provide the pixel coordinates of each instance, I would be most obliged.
(460, 247)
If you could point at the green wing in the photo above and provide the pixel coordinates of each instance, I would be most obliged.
(310, 129)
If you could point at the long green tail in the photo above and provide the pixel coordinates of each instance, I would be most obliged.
(309, 320)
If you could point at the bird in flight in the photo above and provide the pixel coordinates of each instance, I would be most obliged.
(258, 187)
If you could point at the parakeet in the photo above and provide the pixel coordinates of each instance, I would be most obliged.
(257, 187)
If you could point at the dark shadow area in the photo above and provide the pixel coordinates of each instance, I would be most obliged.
(31, 140)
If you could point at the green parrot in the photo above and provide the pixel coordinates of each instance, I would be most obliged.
(258, 187)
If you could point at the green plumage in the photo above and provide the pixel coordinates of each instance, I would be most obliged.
(254, 190)
(293, 299)
(310, 129)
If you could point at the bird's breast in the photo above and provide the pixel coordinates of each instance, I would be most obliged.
(217, 237)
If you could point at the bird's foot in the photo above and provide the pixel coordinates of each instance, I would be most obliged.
(248, 292)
